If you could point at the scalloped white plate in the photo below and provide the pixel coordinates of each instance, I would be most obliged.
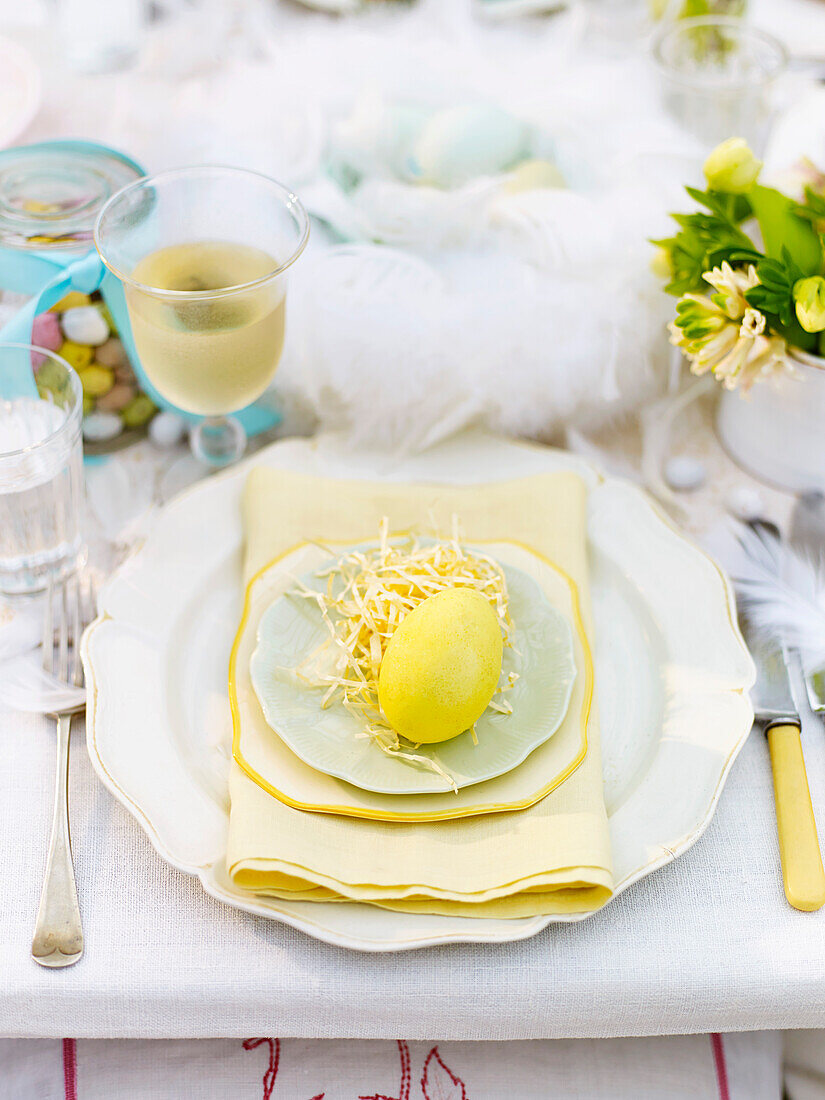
(672, 679)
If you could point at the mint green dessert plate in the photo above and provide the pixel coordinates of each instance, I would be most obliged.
(332, 740)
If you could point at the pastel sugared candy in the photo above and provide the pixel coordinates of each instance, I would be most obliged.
(139, 410)
(46, 332)
(97, 380)
(167, 429)
(685, 474)
(72, 300)
(84, 325)
(76, 355)
(100, 426)
(49, 376)
(124, 373)
(112, 353)
(117, 398)
(745, 503)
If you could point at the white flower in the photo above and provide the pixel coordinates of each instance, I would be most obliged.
(730, 287)
(753, 323)
(723, 334)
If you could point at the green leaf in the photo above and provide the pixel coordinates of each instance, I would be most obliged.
(812, 209)
(783, 228)
(794, 333)
(731, 208)
(705, 240)
(745, 256)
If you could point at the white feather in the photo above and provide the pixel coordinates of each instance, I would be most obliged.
(782, 591)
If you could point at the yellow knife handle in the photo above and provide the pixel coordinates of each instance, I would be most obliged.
(802, 869)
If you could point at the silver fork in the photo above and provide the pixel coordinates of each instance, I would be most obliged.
(58, 934)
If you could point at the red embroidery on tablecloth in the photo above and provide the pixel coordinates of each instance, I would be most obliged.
(406, 1076)
(274, 1061)
(274, 1058)
(721, 1066)
(70, 1068)
(438, 1082)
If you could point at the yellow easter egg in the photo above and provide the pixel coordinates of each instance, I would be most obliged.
(441, 667)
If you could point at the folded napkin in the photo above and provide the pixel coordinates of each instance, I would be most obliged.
(551, 858)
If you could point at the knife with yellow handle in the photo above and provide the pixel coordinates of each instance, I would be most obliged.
(774, 704)
(802, 870)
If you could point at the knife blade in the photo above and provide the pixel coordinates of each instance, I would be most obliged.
(807, 535)
(802, 872)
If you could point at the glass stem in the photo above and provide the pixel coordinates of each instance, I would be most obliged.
(218, 440)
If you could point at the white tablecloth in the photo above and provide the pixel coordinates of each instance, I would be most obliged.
(708, 943)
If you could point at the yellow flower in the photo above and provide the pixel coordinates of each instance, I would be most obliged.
(732, 167)
(809, 296)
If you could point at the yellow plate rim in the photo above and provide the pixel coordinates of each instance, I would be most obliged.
(387, 815)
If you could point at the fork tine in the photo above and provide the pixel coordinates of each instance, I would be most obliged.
(77, 664)
(48, 631)
(63, 635)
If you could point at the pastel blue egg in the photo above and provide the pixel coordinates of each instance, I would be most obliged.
(461, 143)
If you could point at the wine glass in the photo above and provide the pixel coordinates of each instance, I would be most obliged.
(203, 255)
(717, 74)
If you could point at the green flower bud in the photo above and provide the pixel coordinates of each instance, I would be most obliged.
(809, 295)
(661, 264)
(732, 167)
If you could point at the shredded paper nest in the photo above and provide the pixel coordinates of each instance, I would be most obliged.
(367, 595)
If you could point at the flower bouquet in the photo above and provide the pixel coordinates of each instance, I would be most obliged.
(748, 269)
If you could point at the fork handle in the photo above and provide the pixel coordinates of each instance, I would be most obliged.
(58, 934)
(802, 870)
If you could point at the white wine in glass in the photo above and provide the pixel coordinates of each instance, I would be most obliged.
(208, 354)
(202, 254)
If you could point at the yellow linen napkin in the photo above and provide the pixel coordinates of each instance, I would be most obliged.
(551, 858)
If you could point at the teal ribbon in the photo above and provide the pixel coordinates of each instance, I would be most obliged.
(24, 273)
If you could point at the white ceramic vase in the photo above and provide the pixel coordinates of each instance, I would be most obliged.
(777, 432)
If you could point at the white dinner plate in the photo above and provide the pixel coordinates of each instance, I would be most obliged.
(331, 740)
(672, 679)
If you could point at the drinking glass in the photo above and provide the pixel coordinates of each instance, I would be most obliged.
(41, 468)
(717, 75)
(203, 255)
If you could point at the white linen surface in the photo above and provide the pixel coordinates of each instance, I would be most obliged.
(683, 1068)
(708, 943)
